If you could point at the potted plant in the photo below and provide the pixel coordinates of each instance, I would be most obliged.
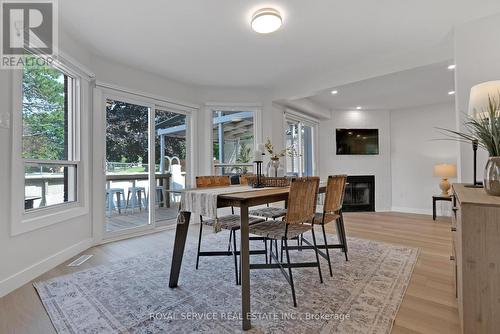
(484, 129)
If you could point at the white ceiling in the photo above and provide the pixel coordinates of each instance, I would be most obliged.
(209, 42)
(416, 87)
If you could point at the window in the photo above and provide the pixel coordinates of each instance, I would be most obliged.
(300, 134)
(48, 137)
(233, 141)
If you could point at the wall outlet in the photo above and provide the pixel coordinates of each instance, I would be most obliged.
(4, 120)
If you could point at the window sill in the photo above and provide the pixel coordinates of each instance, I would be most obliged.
(39, 219)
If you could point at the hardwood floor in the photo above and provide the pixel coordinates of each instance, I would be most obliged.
(429, 305)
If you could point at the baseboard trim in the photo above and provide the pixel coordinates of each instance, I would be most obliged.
(411, 210)
(17, 280)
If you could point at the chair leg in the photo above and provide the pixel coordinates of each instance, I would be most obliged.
(270, 251)
(235, 257)
(229, 244)
(326, 249)
(199, 246)
(290, 273)
(276, 247)
(317, 255)
(139, 198)
(344, 241)
(265, 249)
(281, 256)
(128, 201)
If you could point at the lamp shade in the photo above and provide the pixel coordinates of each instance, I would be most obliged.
(478, 100)
(445, 170)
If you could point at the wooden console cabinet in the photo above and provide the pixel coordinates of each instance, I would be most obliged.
(476, 254)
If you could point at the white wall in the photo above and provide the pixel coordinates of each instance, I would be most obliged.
(414, 152)
(477, 51)
(378, 165)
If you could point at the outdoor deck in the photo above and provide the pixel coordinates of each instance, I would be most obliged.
(129, 219)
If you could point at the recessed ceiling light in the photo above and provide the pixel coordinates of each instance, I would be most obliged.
(452, 66)
(266, 20)
(334, 92)
(451, 92)
(358, 107)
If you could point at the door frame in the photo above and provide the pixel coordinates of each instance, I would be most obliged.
(101, 93)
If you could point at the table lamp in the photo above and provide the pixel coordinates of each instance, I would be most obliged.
(445, 171)
(478, 102)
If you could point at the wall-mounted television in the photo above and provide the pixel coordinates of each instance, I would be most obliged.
(357, 141)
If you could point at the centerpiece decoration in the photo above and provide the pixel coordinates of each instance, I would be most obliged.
(483, 130)
(274, 167)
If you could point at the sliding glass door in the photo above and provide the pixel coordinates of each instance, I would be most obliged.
(171, 162)
(146, 159)
(127, 165)
(300, 134)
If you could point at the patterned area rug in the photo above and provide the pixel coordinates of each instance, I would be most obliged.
(132, 295)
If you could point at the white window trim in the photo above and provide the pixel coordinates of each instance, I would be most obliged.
(292, 115)
(257, 126)
(108, 91)
(22, 221)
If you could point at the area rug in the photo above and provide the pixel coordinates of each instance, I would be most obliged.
(132, 295)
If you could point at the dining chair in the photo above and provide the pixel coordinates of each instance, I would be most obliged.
(228, 222)
(269, 212)
(301, 211)
(332, 211)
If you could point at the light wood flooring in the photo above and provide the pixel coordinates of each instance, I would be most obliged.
(429, 305)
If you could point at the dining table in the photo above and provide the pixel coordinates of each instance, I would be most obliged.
(243, 199)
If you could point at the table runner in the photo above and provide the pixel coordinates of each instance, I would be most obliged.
(203, 201)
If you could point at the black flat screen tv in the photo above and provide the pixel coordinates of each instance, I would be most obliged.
(357, 141)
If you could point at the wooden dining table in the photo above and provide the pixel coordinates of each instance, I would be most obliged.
(243, 200)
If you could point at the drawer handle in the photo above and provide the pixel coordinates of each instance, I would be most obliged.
(452, 258)
(453, 229)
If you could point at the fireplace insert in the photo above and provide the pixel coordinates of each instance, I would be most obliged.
(359, 193)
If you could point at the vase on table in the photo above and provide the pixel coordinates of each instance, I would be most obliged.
(272, 167)
(492, 176)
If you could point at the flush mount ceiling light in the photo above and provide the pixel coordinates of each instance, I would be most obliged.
(334, 92)
(451, 92)
(358, 108)
(452, 67)
(266, 20)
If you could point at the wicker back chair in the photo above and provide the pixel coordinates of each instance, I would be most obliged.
(244, 178)
(212, 181)
(332, 211)
(228, 222)
(334, 197)
(301, 211)
(302, 200)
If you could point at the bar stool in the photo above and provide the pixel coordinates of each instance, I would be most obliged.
(136, 197)
(120, 199)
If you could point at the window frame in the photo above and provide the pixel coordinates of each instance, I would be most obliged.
(250, 107)
(303, 120)
(22, 220)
